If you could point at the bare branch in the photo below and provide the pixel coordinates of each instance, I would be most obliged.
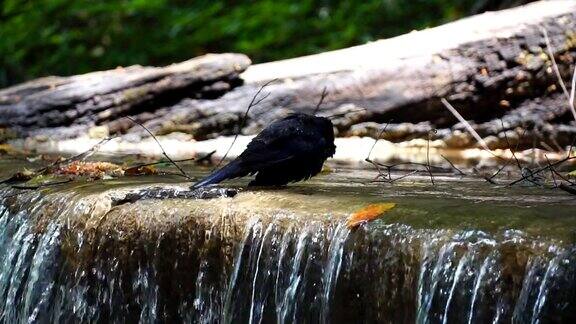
(322, 97)
(79, 157)
(567, 188)
(499, 170)
(161, 148)
(552, 171)
(554, 65)
(35, 187)
(485, 177)
(391, 166)
(507, 161)
(390, 180)
(159, 162)
(428, 159)
(573, 93)
(205, 158)
(569, 97)
(510, 145)
(466, 124)
(544, 168)
(376, 141)
(403, 176)
(452, 165)
(253, 103)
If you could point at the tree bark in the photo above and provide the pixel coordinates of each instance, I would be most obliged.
(66, 106)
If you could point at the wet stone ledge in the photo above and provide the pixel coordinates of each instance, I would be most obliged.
(77, 256)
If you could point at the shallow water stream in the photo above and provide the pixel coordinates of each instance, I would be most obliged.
(461, 251)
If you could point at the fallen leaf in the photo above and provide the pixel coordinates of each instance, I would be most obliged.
(368, 213)
(93, 170)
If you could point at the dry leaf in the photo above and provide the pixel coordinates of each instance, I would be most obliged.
(368, 213)
(94, 170)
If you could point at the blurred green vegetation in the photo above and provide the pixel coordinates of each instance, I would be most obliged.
(63, 37)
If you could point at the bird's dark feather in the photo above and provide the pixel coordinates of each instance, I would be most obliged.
(291, 149)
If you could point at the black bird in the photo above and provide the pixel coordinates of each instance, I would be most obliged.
(288, 150)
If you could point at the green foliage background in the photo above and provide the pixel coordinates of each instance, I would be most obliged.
(63, 37)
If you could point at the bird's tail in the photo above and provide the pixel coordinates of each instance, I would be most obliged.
(231, 170)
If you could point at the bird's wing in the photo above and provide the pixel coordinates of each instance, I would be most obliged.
(269, 151)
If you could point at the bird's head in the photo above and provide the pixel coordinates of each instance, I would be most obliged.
(321, 125)
(327, 130)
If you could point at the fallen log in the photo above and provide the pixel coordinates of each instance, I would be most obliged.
(103, 97)
(491, 66)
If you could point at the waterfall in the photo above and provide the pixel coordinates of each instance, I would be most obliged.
(65, 259)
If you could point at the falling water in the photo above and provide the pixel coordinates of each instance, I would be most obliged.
(64, 259)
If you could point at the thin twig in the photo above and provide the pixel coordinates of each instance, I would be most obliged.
(428, 159)
(466, 124)
(322, 97)
(559, 175)
(452, 165)
(253, 103)
(205, 157)
(161, 148)
(404, 176)
(176, 174)
(498, 171)
(510, 146)
(508, 161)
(376, 165)
(573, 92)
(544, 168)
(159, 162)
(569, 97)
(567, 188)
(554, 65)
(55, 183)
(77, 157)
(489, 179)
(388, 176)
(391, 166)
(551, 171)
(367, 159)
(390, 180)
(533, 160)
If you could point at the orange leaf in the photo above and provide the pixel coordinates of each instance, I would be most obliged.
(368, 213)
(95, 170)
